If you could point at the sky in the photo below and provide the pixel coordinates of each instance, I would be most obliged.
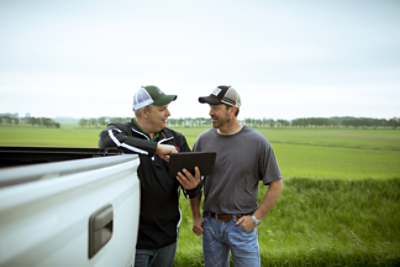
(287, 59)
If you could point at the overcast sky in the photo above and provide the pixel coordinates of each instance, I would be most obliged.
(287, 59)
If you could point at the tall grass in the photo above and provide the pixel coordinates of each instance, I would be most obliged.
(320, 223)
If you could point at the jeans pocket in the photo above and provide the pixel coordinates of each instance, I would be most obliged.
(245, 232)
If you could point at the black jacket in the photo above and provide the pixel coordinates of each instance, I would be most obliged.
(160, 215)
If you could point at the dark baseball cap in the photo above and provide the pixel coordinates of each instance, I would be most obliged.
(223, 94)
(151, 94)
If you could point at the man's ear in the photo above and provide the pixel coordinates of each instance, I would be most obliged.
(233, 110)
(143, 112)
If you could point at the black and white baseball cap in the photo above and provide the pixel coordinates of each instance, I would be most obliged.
(223, 94)
(151, 94)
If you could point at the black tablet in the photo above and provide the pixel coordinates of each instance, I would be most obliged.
(188, 160)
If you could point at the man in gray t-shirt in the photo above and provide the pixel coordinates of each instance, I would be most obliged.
(231, 212)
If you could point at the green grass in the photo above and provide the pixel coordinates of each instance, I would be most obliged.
(330, 154)
(320, 223)
(362, 139)
(336, 162)
(67, 136)
(340, 205)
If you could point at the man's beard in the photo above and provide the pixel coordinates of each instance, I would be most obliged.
(218, 120)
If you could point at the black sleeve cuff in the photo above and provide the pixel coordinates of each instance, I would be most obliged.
(192, 193)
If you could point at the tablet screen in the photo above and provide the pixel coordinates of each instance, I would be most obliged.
(188, 160)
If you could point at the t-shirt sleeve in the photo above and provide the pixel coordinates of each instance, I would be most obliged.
(268, 165)
(196, 146)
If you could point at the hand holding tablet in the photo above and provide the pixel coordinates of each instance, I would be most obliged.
(187, 180)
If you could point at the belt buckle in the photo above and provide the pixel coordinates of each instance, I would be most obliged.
(216, 218)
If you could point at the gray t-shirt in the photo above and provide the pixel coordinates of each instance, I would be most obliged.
(243, 159)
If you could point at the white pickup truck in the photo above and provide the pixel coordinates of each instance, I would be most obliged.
(68, 207)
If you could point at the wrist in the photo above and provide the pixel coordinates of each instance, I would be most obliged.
(257, 222)
(196, 216)
(157, 149)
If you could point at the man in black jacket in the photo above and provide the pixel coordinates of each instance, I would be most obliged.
(148, 136)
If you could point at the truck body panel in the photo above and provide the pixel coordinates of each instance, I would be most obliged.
(45, 211)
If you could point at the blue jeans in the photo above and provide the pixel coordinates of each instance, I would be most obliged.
(163, 257)
(221, 237)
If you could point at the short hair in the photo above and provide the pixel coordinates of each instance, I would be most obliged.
(229, 106)
(138, 113)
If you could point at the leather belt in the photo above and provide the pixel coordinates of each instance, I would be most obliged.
(224, 217)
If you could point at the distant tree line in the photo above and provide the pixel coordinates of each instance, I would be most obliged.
(183, 122)
(312, 122)
(28, 121)
(368, 122)
(102, 121)
(347, 122)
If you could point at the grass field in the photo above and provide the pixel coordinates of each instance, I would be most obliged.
(340, 205)
(317, 154)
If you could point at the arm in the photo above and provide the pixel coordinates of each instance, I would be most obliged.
(164, 150)
(269, 200)
(115, 136)
(197, 219)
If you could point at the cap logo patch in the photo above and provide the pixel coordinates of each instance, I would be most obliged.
(159, 91)
(216, 91)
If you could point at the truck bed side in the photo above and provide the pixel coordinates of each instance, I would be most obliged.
(44, 221)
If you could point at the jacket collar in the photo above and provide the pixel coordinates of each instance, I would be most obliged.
(165, 134)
